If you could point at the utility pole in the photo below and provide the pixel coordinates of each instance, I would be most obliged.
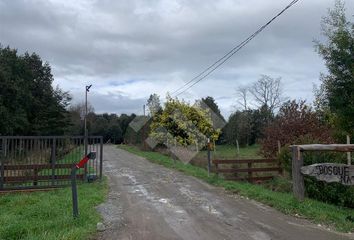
(87, 89)
(143, 131)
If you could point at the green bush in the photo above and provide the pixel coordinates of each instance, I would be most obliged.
(279, 184)
(334, 193)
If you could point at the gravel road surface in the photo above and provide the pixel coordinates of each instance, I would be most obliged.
(148, 201)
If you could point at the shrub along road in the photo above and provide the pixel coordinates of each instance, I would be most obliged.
(148, 201)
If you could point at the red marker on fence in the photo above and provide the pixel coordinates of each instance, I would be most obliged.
(91, 155)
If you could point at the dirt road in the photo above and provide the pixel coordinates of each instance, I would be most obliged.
(148, 201)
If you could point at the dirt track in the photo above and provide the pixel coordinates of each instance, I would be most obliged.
(148, 201)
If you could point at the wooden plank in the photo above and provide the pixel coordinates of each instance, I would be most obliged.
(237, 170)
(47, 137)
(233, 161)
(13, 187)
(298, 178)
(7, 191)
(250, 179)
(330, 172)
(12, 179)
(326, 147)
(29, 189)
(38, 166)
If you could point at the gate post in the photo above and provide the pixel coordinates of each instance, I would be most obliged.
(298, 178)
(86, 139)
(101, 156)
(75, 167)
(2, 162)
(53, 160)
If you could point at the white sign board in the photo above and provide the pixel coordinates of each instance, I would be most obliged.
(331, 172)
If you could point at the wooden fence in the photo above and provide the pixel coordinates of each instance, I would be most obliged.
(250, 168)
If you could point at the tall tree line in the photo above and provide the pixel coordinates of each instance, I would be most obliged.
(335, 97)
(29, 105)
(112, 127)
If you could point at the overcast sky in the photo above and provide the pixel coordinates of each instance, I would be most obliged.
(130, 49)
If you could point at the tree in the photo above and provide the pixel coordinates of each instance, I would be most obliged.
(338, 54)
(242, 98)
(185, 124)
(154, 104)
(247, 126)
(76, 116)
(115, 133)
(267, 92)
(209, 102)
(109, 126)
(14, 99)
(260, 119)
(29, 105)
(295, 122)
(238, 128)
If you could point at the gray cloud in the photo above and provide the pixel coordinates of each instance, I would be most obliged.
(111, 102)
(162, 44)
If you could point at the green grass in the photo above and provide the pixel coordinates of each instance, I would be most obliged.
(48, 215)
(230, 152)
(318, 212)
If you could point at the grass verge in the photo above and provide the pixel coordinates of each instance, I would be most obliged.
(318, 212)
(48, 215)
(230, 152)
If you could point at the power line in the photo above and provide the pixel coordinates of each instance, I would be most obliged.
(228, 55)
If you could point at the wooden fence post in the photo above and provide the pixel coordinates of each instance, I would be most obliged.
(216, 169)
(101, 157)
(2, 162)
(249, 165)
(238, 148)
(349, 156)
(298, 178)
(281, 172)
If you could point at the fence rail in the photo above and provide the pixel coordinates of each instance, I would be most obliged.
(250, 169)
(30, 162)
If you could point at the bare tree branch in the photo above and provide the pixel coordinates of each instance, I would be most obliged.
(242, 93)
(268, 92)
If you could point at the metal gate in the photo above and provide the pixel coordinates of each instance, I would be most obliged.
(28, 162)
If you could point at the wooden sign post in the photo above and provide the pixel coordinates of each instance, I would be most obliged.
(298, 178)
(328, 172)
